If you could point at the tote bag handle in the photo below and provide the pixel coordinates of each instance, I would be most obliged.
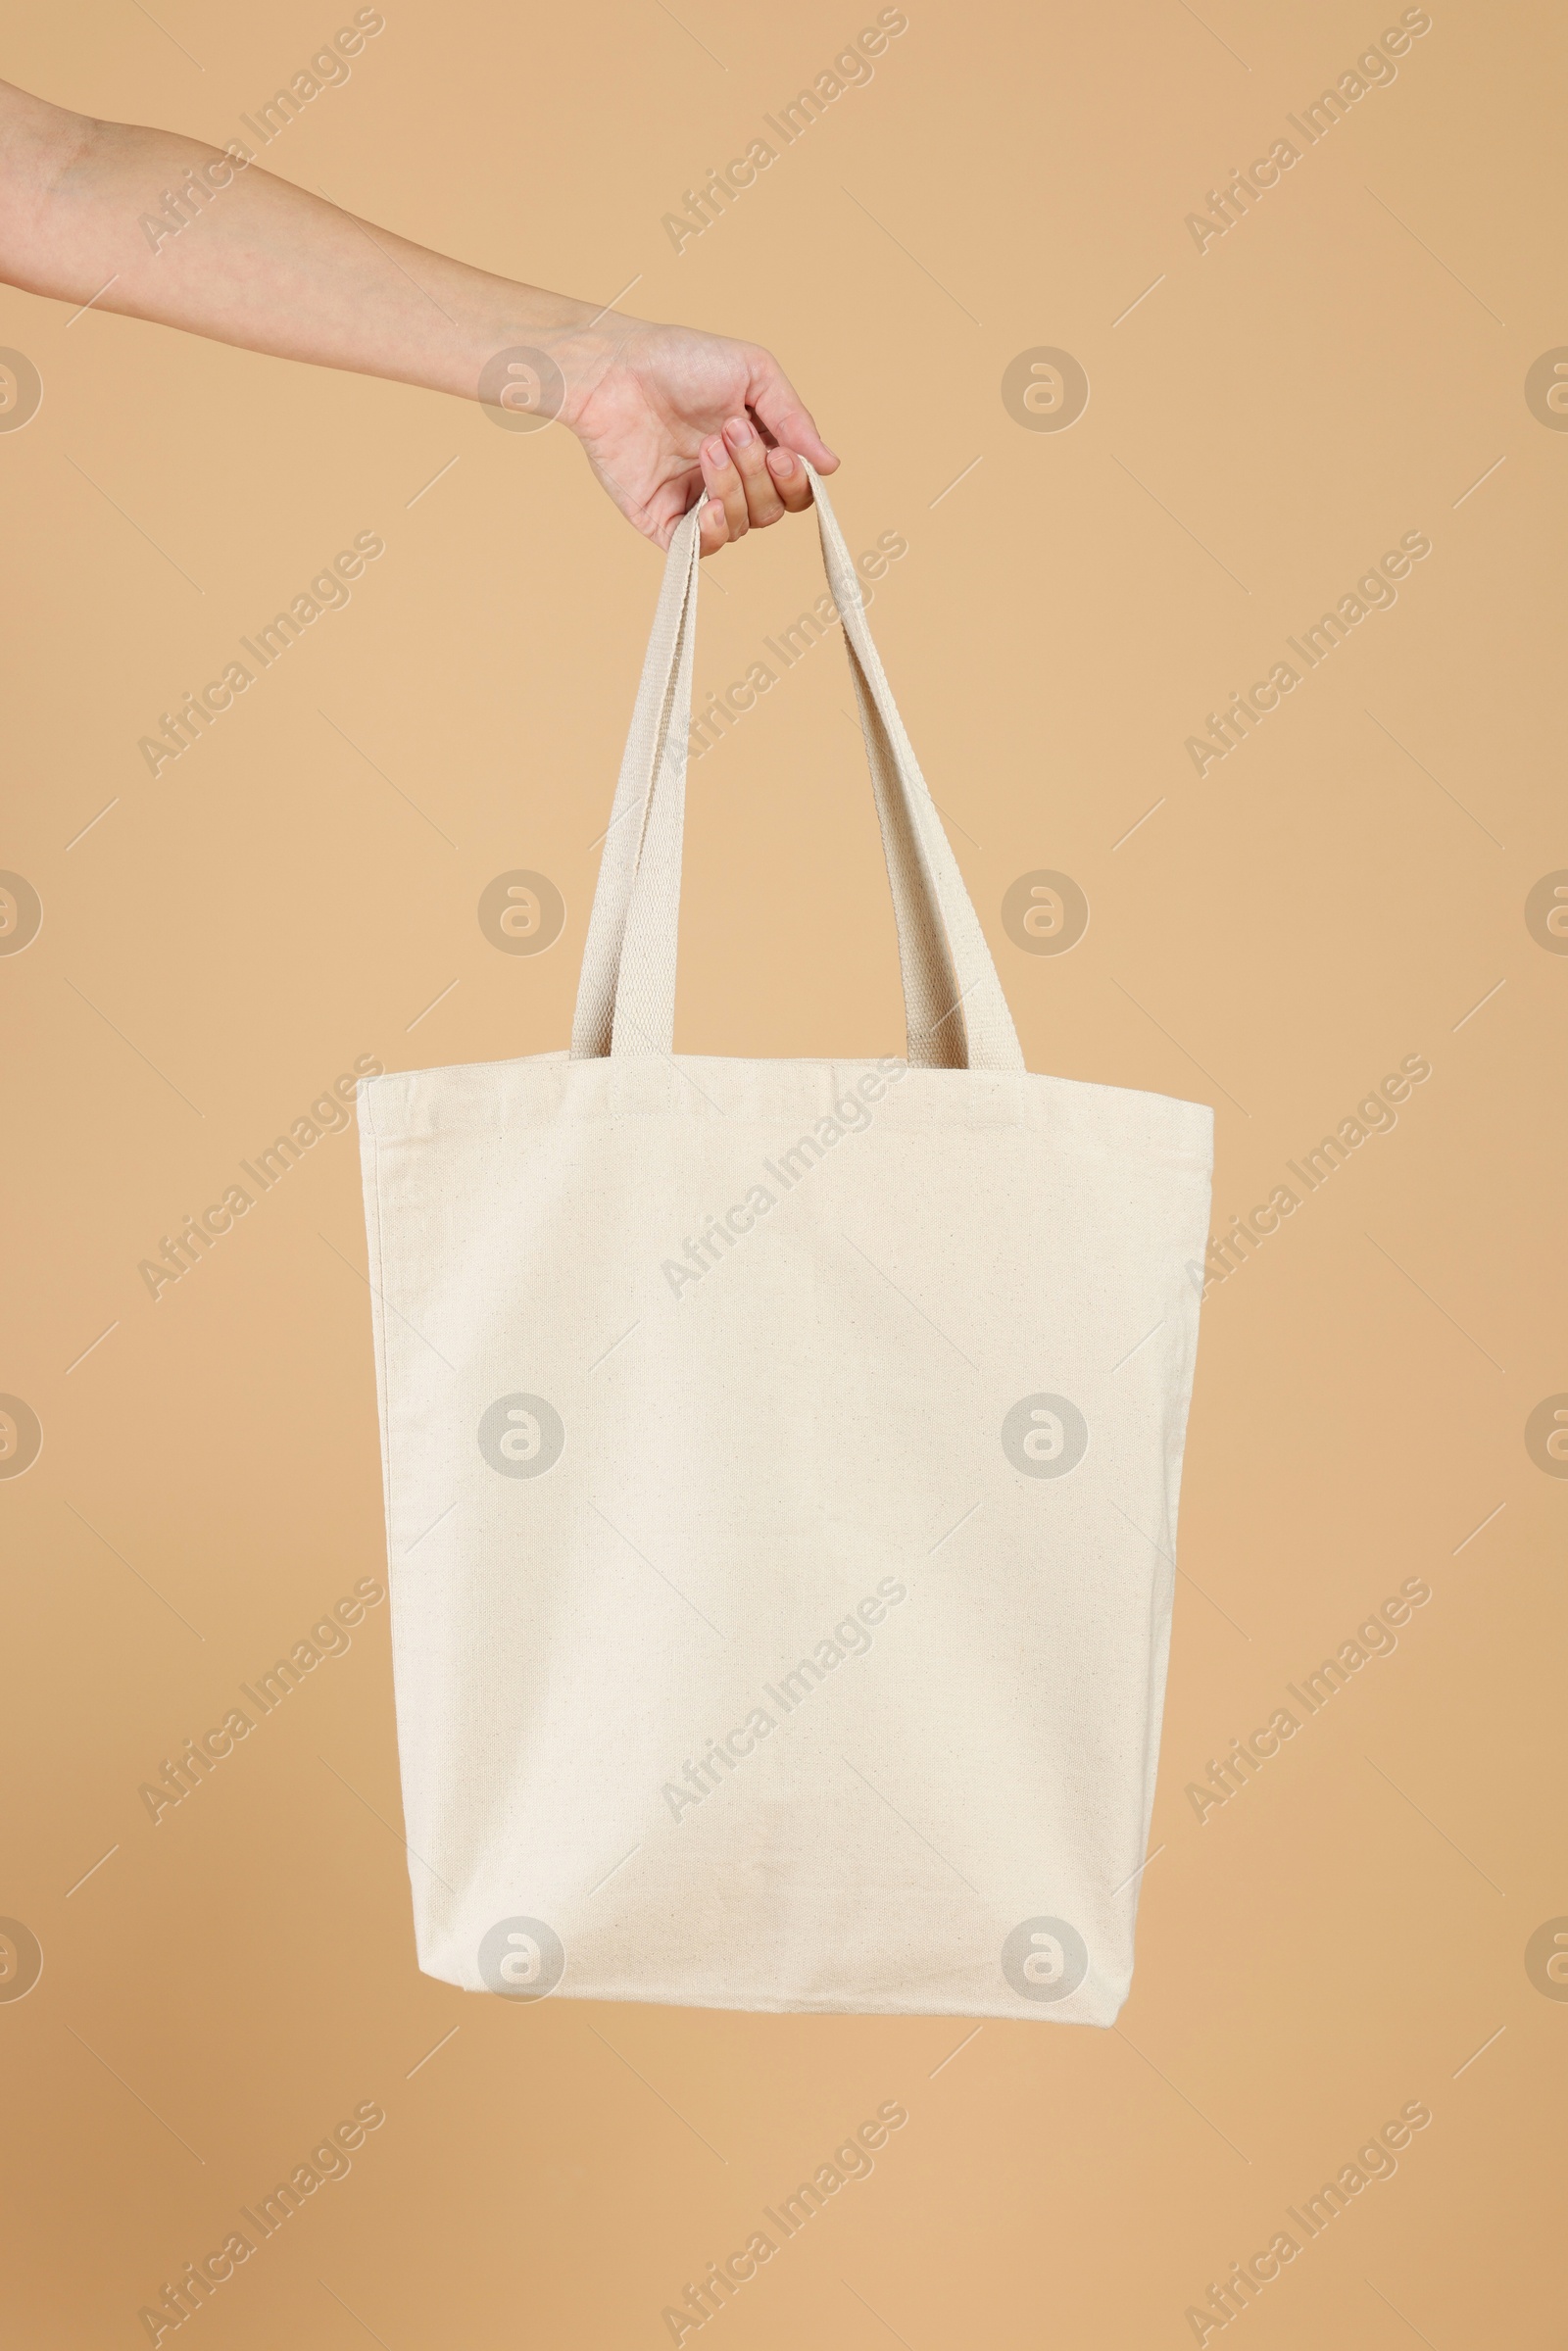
(955, 1013)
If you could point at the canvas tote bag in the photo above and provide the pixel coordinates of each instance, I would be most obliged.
(781, 1464)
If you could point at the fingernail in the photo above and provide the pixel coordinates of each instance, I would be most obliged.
(738, 432)
(780, 463)
(715, 451)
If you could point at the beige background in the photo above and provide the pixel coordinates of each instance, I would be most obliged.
(1346, 364)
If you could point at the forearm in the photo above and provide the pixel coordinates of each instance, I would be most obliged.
(165, 227)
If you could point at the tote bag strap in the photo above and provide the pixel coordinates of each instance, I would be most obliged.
(955, 1013)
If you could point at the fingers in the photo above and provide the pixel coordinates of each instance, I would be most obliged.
(749, 456)
(789, 480)
(748, 485)
(723, 481)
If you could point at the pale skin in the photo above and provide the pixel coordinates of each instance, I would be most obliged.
(666, 415)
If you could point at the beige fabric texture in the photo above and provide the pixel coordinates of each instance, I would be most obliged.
(781, 1466)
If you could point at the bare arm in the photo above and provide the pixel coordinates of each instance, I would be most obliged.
(163, 228)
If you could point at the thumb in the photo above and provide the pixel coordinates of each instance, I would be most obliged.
(773, 400)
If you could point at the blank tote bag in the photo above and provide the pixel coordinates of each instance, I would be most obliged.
(781, 1464)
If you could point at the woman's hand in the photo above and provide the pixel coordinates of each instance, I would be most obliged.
(667, 414)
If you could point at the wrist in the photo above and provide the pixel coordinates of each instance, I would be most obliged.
(549, 353)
